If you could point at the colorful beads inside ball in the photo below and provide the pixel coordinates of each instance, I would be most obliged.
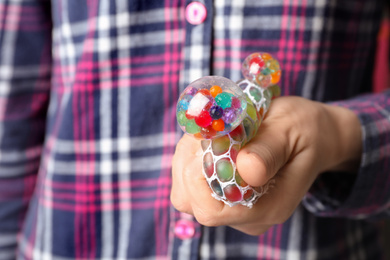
(261, 68)
(211, 107)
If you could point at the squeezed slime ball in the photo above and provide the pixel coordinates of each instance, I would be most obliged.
(210, 107)
(226, 116)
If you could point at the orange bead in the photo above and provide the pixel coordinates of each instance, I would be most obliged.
(198, 136)
(261, 112)
(275, 77)
(215, 90)
(266, 56)
(218, 125)
(204, 91)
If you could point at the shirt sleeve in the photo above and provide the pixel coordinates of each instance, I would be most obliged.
(25, 68)
(365, 195)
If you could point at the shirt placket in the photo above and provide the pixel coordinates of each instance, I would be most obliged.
(185, 230)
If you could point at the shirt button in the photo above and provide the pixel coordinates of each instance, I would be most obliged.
(196, 13)
(184, 229)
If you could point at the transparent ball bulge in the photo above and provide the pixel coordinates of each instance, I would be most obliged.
(262, 68)
(211, 107)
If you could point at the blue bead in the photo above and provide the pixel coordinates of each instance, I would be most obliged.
(216, 112)
(183, 104)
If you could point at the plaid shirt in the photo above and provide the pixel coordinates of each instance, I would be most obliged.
(88, 91)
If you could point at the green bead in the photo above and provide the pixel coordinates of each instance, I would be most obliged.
(255, 93)
(251, 110)
(275, 89)
(273, 65)
(220, 145)
(224, 99)
(192, 127)
(248, 126)
(181, 118)
(266, 71)
(224, 170)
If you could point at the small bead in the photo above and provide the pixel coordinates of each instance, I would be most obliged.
(224, 100)
(191, 91)
(205, 144)
(208, 132)
(248, 195)
(255, 93)
(189, 117)
(220, 145)
(205, 92)
(198, 136)
(218, 125)
(275, 89)
(229, 115)
(236, 103)
(208, 164)
(251, 110)
(215, 90)
(234, 152)
(216, 187)
(238, 134)
(192, 127)
(233, 193)
(255, 65)
(266, 71)
(266, 56)
(275, 77)
(224, 169)
(204, 119)
(216, 112)
(181, 118)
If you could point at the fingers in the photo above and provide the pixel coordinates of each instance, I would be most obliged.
(263, 156)
(190, 192)
(185, 151)
(271, 148)
(286, 148)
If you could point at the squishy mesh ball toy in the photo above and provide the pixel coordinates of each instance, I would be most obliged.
(225, 116)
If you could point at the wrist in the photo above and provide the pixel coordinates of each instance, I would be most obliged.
(348, 139)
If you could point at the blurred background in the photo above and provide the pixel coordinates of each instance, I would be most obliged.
(381, 82)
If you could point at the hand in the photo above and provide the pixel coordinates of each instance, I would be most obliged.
(298, 140)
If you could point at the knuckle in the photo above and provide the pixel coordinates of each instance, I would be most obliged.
(205, 218)
(179, 203)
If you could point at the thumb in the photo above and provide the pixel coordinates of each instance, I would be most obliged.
(260, 159)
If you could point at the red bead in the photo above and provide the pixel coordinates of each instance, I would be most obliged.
(234, 152)
(238, 134)
(248, 195)
(208, 106)
(205, 92)
(189, 117)
(208, 132)
(208, 164)
(236, 103)
(256, 63)
(204, 119)
(233, 193)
